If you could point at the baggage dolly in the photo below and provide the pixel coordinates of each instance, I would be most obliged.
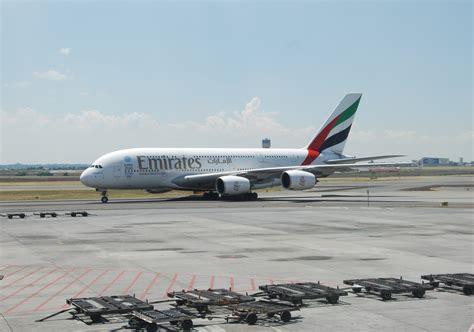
(300, 291)
(385, 287)
(465, 281)
(249, 312)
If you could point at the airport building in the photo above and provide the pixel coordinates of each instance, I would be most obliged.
(434, 161)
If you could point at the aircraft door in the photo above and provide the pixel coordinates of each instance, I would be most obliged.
(117, 171)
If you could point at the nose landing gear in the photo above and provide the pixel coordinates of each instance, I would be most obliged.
(104, 198)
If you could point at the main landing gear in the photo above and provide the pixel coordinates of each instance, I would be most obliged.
(242, 197)
(212, 196)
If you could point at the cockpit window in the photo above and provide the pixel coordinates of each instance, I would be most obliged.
(95, 166)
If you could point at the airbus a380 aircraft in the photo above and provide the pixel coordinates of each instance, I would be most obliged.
(232, 172)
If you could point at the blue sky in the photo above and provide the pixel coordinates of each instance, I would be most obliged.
(83, 79)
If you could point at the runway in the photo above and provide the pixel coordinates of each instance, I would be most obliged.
(149, 247)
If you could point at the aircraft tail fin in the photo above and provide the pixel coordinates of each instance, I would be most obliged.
(333, 134)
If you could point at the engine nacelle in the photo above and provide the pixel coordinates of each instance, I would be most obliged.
(232, 185)
(297, 180)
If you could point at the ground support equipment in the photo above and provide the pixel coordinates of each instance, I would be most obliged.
(11, 215)
(298, 292)
(77, 213)
(106, 309)
(202, 299)
(465, 281)
(45, 214)
(150, 319)
(249, 312)
(385, 287)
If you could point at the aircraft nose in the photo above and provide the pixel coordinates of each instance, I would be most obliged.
(86, 178)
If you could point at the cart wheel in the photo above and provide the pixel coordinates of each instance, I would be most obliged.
(10, 217)
(285, 316)
(54, 215)
(96, 318)
(73, 214)
(85, 214)
(22, 215)
(42, 215)
(135, 323)
(251, 319)
(467, 290)
(187, 324)
(357, 289)
(419, 293)
(332, 299)
(386, 296)
(151, 327)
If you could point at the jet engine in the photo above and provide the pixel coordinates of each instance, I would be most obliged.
(297, 180)
(232, 185)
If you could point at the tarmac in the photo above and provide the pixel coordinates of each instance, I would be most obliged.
(331, 233)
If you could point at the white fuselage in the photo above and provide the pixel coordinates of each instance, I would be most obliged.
(160, 168)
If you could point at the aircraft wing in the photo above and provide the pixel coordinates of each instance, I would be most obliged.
(356, 160)
(268, 174)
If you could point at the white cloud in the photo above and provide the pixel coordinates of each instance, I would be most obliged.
(30, 135)
(51, 75)
(95, 118)
(252, 122)
(65, 50)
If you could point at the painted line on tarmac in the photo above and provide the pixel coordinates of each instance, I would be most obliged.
(111, 283)
(28, 285)
(64, 288)
(15, 272)
(192, 282)
(90, 284)
(252, 284)
(134, 281)
(21, 278)
(37, 292)
(150, 285)
(212, 281)
(171, 284)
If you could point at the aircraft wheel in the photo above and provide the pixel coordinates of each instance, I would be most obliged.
(254, 196)
(104, 199)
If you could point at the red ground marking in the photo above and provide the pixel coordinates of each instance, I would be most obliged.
(213, 279)
(6, 267)
(111, 283)
(64, 288)
(172, 282)
(20, 269)
(134, 281)
(21, 278)
(252, 284)
(38, 291)
(192, 282)
(232, 283)
(152, 282)
(28, 285)
(89, 285)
